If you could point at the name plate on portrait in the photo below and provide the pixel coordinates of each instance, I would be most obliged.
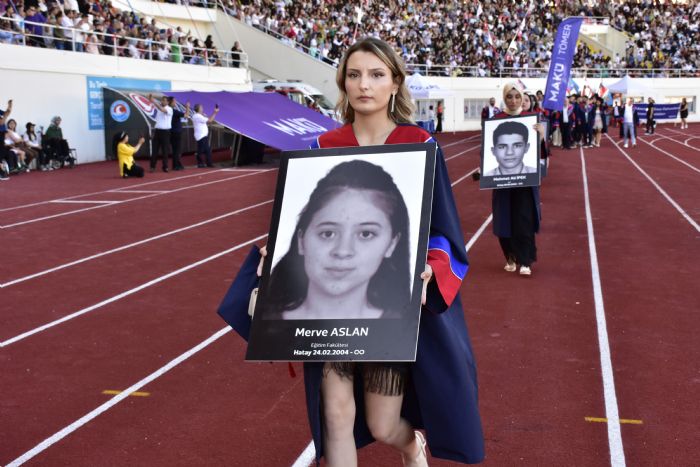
(510, 153)
(348, 243)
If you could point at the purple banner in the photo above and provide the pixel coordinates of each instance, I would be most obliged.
(267, 117)
(661, 111)
(560, 66)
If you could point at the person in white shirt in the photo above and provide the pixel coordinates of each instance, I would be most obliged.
(629, 120)
(66, 21)
(201, 132)
(82, 29)
(161, 137)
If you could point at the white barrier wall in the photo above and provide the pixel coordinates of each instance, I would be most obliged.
(44, 83)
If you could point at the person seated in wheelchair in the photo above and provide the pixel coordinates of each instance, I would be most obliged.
(55, 145)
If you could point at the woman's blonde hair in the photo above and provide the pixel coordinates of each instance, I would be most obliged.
(403, 107)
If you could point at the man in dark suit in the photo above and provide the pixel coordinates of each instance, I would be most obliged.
(490, 110)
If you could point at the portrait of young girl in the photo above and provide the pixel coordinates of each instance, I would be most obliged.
(348, 257)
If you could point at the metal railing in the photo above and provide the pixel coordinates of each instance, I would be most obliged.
(101, 43)
(506, 72)
(595, 73)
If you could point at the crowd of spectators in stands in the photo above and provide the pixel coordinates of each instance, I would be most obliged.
(453, 38)
(97, 27)
(33, 149)
(482, 38)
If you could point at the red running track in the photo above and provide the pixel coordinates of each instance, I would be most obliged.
(536, 345)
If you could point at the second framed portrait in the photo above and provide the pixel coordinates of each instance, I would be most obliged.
(348, 242)
(510, 153)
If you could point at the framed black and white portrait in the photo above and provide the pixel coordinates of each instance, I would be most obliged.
(510, 153)
(348, 242)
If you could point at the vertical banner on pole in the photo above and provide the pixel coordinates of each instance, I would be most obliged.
(562, 59)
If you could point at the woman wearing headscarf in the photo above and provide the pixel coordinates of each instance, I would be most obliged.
(516, 211)
(57, 147)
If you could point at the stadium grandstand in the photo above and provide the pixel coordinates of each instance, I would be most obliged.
(111, 349)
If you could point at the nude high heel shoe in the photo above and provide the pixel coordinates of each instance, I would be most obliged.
(421, 460)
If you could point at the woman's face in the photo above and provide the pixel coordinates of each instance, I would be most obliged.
(12, 125)
(526, 102)
(368, 83)
(346, 242)
(514, 100)
(125, 139)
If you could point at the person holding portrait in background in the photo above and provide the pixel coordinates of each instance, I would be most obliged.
(516, 211)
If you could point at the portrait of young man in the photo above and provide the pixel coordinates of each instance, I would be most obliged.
(510, 144)
(510, 153)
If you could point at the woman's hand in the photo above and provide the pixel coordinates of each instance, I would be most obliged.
(263, 254)
(539, 128)
(141, 140)
(427, 276)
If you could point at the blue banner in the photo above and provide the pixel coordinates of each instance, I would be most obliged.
(560, 66)
(94, 94)
(661, 111)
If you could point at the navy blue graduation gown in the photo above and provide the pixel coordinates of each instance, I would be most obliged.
(441, 394)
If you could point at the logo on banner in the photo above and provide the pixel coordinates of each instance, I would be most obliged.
(296, 126)
(560, 65)
(119, 110)
(144, 104)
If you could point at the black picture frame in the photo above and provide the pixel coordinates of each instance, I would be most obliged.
(280, 335)
(493, 174)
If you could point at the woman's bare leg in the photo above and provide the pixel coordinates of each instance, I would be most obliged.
(339, 418)
(386, 425)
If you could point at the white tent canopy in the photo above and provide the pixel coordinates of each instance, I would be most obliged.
(630, 87)
(421, 88)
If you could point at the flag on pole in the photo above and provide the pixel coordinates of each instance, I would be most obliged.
(602, 90)
(572, 86)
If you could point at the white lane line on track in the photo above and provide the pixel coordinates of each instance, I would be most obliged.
(188, 187)
(660, 190)
(670, 155)
(73, 263)
(145, 285)
(79, 201)
(48, 442)
(683, 135)
(131, 245)
(38, 203)
(307, 457)
(137, 191)
(462, 152)
(670, 138)
(478, 233)
(309, 453)
(478, 135)
(617, 453)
